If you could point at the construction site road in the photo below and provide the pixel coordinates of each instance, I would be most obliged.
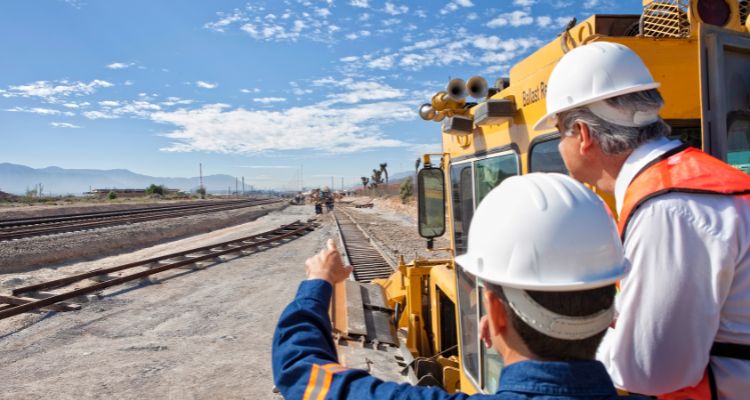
(202, 334)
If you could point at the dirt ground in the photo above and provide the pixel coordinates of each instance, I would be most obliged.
(202, 334)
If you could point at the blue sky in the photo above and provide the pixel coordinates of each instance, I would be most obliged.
(255, 89)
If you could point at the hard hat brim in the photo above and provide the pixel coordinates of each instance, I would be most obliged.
(468, 264)
(548, 120)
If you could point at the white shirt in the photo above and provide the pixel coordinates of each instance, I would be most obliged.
(689, 286)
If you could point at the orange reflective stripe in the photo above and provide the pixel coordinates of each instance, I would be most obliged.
(689, 170)
(320, 383)
(311, 383)
(701, 391)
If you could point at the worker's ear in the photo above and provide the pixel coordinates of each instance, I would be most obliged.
(584, 135)
(498, 317)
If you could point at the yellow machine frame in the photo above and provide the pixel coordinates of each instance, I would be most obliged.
(694, 69)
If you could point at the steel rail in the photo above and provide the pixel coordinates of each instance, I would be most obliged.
(276, 235)
(360, 251)
(53, 284)
(14, 222)
(119, 220)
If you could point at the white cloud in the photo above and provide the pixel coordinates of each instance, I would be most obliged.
(51, 91)
(524, 3)
(590, 3)
(269, 100)
(305, 23)
(393, 9)
(359, 3)
(385, 62)
(351, 36)
(99, 115)
(120, 65)
(543, 21)
(563, 21)
(206, 85)
(109, 103)
(128, 83)
(253, 90)
(213, 128)
(323, 12)
(173, 101)
(349, 59)
(359, 91)
(225, 21)
(516, 18)
(40, 111)
(64, 125)
(455, 5)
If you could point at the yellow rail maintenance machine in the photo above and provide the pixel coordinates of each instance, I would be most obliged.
(700, 52)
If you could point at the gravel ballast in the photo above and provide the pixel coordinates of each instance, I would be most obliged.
(48, 251)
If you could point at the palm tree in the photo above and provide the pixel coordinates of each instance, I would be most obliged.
(416, 164)
(365, 181)
(384, 171)
(376, 178)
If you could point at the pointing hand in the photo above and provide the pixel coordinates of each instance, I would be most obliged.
(327, 265)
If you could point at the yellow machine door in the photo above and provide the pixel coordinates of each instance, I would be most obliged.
(725, 95)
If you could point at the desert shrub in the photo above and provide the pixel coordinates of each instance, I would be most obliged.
(406, 190)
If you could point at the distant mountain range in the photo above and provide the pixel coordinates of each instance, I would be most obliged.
(17, 179)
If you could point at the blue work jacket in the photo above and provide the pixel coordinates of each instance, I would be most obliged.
(305, 365)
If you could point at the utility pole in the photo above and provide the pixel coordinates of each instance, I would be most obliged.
(236, 186)
(200, 171)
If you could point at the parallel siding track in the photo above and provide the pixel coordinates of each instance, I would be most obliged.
(29, 227)
(360, 251)
(196, 258)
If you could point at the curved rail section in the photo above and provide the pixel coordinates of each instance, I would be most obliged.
(28, 227)
(31, 298)
(360, 251)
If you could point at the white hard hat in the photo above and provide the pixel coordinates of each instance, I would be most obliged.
(544, 232)
(594, 72)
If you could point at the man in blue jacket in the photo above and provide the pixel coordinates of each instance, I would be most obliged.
(548, 254)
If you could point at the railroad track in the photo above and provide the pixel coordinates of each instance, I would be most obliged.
(29, 227)
(360, 250)
(35, 297)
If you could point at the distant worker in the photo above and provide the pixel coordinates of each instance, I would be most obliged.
(329, 203)
(683, 329)
(548, 252)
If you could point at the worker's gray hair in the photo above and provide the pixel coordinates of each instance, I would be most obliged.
(616, 139)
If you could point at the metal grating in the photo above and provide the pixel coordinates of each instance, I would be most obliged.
(665, 19)
(744, 10)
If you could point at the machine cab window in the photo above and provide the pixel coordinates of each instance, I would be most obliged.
(738, 141)
(545, 157)
(471, 181)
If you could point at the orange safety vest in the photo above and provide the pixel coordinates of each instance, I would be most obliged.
(688, 170)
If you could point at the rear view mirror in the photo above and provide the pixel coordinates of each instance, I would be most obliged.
(431, 202)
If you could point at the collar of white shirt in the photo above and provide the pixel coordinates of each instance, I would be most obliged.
(635, 162)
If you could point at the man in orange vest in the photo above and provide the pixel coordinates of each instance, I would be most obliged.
(683, 325)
